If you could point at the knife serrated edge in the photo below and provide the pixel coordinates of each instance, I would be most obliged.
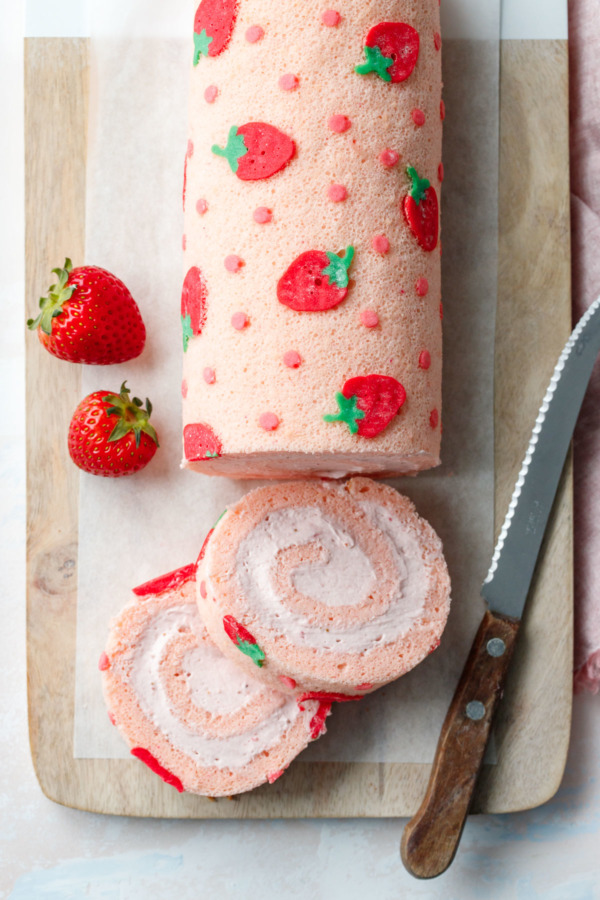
(562, 360)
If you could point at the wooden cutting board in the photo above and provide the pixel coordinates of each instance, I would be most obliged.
(533, 321)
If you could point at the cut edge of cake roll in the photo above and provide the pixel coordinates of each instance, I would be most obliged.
(324, 590)
(311, 299)
(197, 720)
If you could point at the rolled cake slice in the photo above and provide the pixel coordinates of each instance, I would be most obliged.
(311, 300)
(196, 719)
(324, 590)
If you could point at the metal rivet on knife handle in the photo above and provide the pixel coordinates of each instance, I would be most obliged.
(475, 710)
(496, 647)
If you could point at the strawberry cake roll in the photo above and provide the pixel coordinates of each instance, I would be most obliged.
(327, 591)
(311, 299)
(197, 720)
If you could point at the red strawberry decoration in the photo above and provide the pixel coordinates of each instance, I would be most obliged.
(193, 305)
(170, 581)
(213, 26)
(244, 641)
(368, 403)
(90, 317)
(111, 435)
(316, 281)
(151, 761)
(421, 211)
(391, 51)
(256, 150)
(317, 723)
(200, 442)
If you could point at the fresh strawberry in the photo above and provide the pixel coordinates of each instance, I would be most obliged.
(368, 403)
(421, 211)
(391, 51)
(193, 305)
(256, 150)
(244, 641)
(213, 26)
(200, 442)
(90, 317)
(316, 281)
(100, 445)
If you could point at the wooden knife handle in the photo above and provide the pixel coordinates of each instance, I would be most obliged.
(431, 838)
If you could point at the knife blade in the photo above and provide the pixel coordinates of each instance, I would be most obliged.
(431, 838)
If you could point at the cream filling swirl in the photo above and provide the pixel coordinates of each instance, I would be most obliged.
(215, 686)
(331, 567)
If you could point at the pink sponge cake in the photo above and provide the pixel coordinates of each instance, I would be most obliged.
(328, 591)
(311, 287)
(196, 719)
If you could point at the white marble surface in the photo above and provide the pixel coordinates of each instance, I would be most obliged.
(51, 853)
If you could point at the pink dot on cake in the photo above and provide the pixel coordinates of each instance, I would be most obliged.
(239, 320)
(254, 34)
(331, 18)
(442, 110)
(369, 318)
(209, 375)
(211, 93)
(103, 662)
(437, 40)
(339, 123)
(337, 193)
(434, 418)
(184, 388)
(262, 215)
(418, 117)
(233, 263)
(422, 287)
(201, 206)
(268, 421)
(292, 359)
(441, 172)
(289, 82)
(388, 157)
(424, 359)
(380, 244)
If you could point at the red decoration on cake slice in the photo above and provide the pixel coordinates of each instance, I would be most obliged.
(256, 150)
(327, 695)
(169, 582)
(421, 211)
(151, 761)
(317, 723)
(213, 27)
(391, 51)
(368, 403)
(193, 305)
(316, 281)
(200, 442)
(244, 641)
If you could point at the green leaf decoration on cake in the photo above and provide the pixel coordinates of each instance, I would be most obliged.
(201, 44)
(337, 270)
(349, 412)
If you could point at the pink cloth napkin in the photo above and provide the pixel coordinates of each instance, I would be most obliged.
(584, 50)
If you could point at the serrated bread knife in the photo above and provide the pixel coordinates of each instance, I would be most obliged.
(431, 838)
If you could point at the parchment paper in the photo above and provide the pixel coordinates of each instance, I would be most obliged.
(133, 529)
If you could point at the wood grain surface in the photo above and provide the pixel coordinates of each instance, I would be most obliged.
(532, 325)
